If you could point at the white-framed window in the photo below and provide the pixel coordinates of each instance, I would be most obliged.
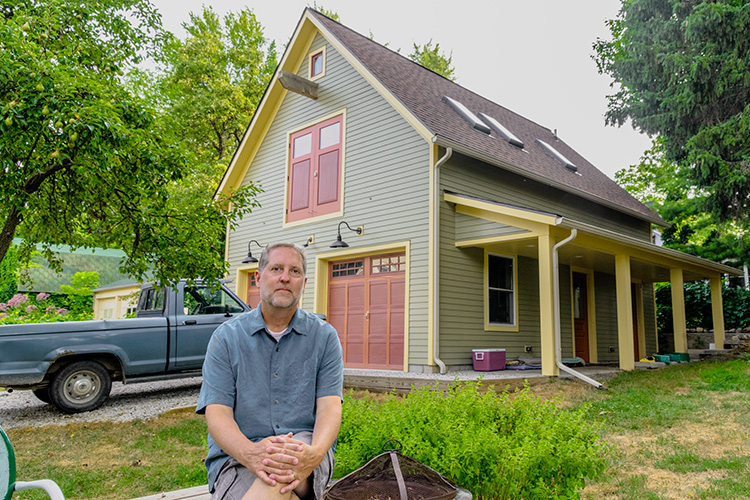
(500, 279)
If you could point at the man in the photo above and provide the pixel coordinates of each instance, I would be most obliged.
(271, 393)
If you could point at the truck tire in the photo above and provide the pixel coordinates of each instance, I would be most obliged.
(42, 394)
(80, 386)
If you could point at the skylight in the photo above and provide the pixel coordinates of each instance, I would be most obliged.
(467, 115)
(502, 131)
(558, 156)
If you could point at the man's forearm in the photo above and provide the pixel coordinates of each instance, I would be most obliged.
(227, 434)
(327, 424)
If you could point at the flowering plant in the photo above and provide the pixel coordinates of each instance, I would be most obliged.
(23, 309)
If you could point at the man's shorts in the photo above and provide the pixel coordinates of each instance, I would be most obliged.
(234, 479)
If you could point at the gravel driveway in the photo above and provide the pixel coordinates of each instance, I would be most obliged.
(126, 402)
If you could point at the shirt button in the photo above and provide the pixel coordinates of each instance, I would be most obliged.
(275, 401)
(277, 349)
(277, 426)
(276, 375)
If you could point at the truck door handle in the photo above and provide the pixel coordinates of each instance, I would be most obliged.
(189, 322)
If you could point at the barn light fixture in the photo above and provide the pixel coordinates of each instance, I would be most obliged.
(339, 243)
(250, 259)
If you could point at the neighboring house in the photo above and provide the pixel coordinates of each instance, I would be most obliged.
(462, 207)
(110, 299)
(116, 300)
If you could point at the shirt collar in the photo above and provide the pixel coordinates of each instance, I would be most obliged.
(258, 325)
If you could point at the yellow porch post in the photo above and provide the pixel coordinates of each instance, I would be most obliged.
(717, 311)
(624, 312)
(547, 307)
(679, 321)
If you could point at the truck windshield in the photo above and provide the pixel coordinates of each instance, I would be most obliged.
(203, 300)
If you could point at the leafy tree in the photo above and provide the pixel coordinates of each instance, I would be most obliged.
(692, 230)
(9, 275)
(682, 69)
(433, 59)
(214, 80)
(329, 13)
(87, 163)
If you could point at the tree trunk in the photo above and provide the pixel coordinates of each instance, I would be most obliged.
(9, 230)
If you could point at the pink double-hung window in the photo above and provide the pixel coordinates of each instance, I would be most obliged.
(315, 170)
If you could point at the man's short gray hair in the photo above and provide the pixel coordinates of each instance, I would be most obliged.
(263, 262)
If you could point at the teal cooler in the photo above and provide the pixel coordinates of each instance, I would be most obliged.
(488, 360)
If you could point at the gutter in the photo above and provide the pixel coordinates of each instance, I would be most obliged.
(558, 335)
(436, 260)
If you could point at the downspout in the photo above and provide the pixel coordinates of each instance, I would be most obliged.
(436, 260)
(558, 334)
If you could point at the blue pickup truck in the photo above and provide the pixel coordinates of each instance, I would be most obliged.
(72, 365)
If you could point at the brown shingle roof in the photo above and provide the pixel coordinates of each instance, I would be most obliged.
(422, 91)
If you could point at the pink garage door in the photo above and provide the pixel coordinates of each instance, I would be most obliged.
(366, 306)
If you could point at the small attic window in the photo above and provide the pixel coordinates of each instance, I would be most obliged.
(467, 115)
(501, 131)
(558, 156)
(317, 63)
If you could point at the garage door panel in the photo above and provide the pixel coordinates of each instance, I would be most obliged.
(371, 312)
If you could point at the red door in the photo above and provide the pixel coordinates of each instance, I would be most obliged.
(366, 306)
(252, 297)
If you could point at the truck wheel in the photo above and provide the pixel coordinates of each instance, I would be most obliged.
(42, 394)
(80, 386)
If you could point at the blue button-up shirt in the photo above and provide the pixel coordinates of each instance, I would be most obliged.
(272, 387)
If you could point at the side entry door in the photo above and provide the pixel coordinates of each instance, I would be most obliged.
(203, 310)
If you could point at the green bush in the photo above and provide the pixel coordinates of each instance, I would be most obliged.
(495, 445)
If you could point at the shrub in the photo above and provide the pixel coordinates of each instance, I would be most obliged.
(495, 445)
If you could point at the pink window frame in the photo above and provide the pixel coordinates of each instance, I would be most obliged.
(314, 206)
(319, 54)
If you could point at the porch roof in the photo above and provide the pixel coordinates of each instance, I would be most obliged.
(594, 247)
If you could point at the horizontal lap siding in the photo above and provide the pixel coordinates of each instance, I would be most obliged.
(471, 228)
(649, 318)
(606, 317)
(386, 184)
(466, 176)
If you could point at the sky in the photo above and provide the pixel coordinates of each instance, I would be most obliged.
(530, 56)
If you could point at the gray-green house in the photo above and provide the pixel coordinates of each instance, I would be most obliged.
(471, 226)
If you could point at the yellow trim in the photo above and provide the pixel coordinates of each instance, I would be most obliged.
(507, 238)
(340, 211)
(309, 63)
(624, 312)
(717, 311)
(547, 306)
(321, 279)
(509, 220)
(488, 327)
(513, 214)
(269, 106)
(241, 278)
(406, 114)
(678, 310)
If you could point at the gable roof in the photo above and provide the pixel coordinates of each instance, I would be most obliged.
(422, 92)
(417, 94)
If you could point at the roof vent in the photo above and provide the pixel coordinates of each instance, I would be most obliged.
(467, 115)
(502, 131)
(557, 156)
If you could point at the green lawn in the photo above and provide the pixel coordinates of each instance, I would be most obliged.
(678, 432)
